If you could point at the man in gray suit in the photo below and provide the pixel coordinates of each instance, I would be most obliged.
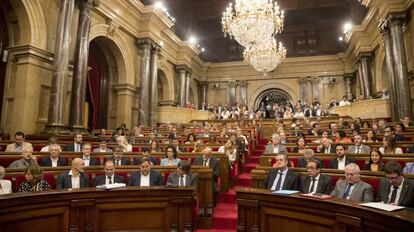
(183, 176)
(359, 148)
(275, 146)
(394, 188)
(353, 188)
(316, 182)
(308, 154)
(75, 177)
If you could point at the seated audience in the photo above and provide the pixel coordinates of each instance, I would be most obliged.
(154, 147)
(170, 157)
(326, 146)
(275, 146)
(5, 185)
(366, 125)
(176, 144)
(75, 177)
(375, 163)
(353, 188)
(395, 189)
(146, 176)
(390, 146)
(407, 122)
(198, 146)
(146, 154)
(27, 159)
(86, 156)
(18, 144)
(54, 160)
(341, 159)
(118, 158)
(76, 146)
(300, 145)
(190, 139)
(281, 178)
(344, 101)
(358, 147)
(308, 155)
(123, 142)
(109, 177)
(398, 130)
(183, 176)
(207, 160)
(230, 150)
(370, 137)
(341, 137)
(34, 181)
(102, 146)
(52, 140)
(315, 130)
(315, 182)
(239, 135)
(409, 168)
(136, 135)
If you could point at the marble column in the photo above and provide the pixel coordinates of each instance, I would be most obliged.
(155, 51)
(385, 32)
(55, 118)
(203, 93)
(182, 80)
(361, 81)
(396, 21)
(365, 73)
(243, 92)
(303, 82)
(348, 85)
(315, 88)
(187, 87)
(78, 96)
(232, 92)
(144, 45)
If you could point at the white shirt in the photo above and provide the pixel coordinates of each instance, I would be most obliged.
(86, 160)
(207, 163)
(358, 149)
(275, 149)
(316, 184)
(77, 147)
(183, 177)
(45, 149)
(54, 162)
(145, 180)
(75, 180)
(341, 163)
(397, 150)
(107, 179)
(277, 179)
(397, 198)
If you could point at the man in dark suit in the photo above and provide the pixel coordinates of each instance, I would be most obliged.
(54, 160)
(213, 163)
(395, 188)
(308, 154)
(176, 145)
(183, 176)
(146, 154)
(86, 155)
(316, 182)
(341, 159)
(118, 158)
(281, 178)
(146, 176)
(326, 146)
(109, 177)
(75, 177)
(76, 146)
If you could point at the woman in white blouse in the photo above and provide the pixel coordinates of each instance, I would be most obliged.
(5, 185)
(230, 150)
(390, 146)
(123, 142)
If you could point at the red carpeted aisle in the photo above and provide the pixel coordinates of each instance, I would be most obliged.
(225, 212)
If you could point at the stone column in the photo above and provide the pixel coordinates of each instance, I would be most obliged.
(203, 93)
(365, 73)
(303, 82)
(78, 96)
(348, 85)
(385, 32)
(361, 80)
(396, 21)
(55, 122)
(144, 45)
(315, 88)
(181, 73)
(243, 92)
(154, 84)
(187, 87)
(232, 92)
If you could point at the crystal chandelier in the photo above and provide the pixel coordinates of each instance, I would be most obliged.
(265, 56)
(252, 21)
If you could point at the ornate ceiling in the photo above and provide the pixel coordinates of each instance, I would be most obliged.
(312, 27)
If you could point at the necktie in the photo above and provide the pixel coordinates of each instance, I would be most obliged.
(312, 185)
(279, 181)
(181, 181)
(118, 162)
(348, 189)
(393, 195)
(205, 163)
(110, 179)
(358, 150)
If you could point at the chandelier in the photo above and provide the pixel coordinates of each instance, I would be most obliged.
(265, 56)
(252, 21)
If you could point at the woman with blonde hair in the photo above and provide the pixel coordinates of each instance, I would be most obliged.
(198, 146)
(123, 142)
(230, 150)
(34, 181)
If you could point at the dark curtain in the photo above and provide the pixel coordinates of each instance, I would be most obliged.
(94, 83)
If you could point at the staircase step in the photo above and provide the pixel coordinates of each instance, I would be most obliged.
(244, 180)
(225, 216)
(254, 159)
(216, 230)
(227, 197)
(249, 167)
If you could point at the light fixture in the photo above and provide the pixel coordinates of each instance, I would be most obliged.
(265, 56)
(347, 27)
(192, 40)
(341, 38)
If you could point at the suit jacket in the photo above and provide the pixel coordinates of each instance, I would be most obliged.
(331, 149)
(324, 184)
(153, 160)
(362, 191)
(98, 150)
(270, 150)
(406, 196)
(65, 181)
(292, 181)
(47, 162)
(124, 161)
(409, 168)
(100, 180)
(213, 164)
(92, 161)
(302, 162)
(333, 164)
(364, 149)
(6, 186)
(70, 147)
(12, 147)
(190, 179)
(155, 179)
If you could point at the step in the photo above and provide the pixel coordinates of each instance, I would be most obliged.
(225, 216)
(260, 147)
(257, 152)
(244, 180)
(249, 167)
(254, 159)
(227, 197)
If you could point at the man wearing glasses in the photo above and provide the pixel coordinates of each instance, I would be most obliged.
(315, 182)
(394, 188)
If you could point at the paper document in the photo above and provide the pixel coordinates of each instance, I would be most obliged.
(285, 192)
(319, 196)
(111, 186)
(382, 206)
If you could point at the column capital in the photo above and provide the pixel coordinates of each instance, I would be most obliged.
(365, 56)
(349, 76)
(183, 68)
(384, 27)
(397, 18)
(202, 83)
(243, 83)
(315, 80)
(147, 43)
(303, 80)
(232, 84)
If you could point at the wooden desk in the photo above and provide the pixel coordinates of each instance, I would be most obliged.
(259, 210)
(130, 208)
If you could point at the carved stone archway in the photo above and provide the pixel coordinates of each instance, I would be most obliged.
(272, 95)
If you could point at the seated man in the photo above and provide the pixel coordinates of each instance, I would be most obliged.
(145, 154)
(75, 177)
(102, 146)
(353, 188)
(176, 145)
(359, 147)
(315, 182)
(86, 156)
(109, 177)
(54, 160)
(52, 140)
(5, 185)
(213, 163)
(146, 176)
(326, 146)
(183, 176)
(341, 159)
(118, 158)
(308, 154)
(18, 144)
(275, 146)
(76, 146)
(26, 160)
(281, 178)
(395, 188)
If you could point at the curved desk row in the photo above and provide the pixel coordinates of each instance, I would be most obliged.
(260, 210)
(126, 209)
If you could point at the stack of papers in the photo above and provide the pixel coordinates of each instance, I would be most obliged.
(319, 196)
(285, 192)
(111, 186)
(382, 206)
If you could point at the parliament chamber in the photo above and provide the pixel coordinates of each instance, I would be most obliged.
(207, 115)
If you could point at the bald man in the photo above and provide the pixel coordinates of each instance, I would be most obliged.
(75, 177)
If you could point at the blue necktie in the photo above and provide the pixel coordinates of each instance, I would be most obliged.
(348, 189)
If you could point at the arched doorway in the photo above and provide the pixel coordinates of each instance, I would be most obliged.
(270, 96)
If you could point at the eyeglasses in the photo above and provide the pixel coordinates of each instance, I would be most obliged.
(392, 177)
